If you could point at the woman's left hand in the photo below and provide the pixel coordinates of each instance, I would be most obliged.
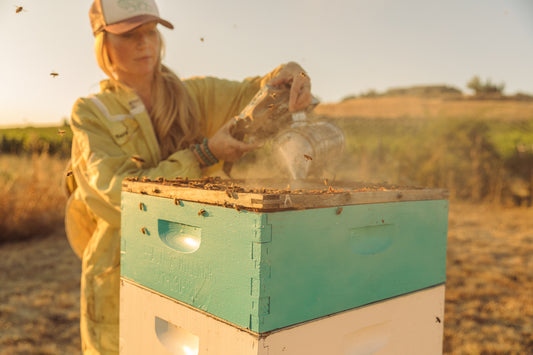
(294, 75)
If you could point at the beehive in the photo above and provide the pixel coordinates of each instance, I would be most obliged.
(265, 258)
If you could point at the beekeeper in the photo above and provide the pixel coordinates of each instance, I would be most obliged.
(145, 121)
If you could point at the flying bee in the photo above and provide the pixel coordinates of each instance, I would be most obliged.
(437, 320)
(54, 74)
(19, 9)
(326, 181)
(137, 160)
(61, 132)
(201, 39)
(308, 157)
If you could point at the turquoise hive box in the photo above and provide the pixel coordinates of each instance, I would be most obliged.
(264, 258)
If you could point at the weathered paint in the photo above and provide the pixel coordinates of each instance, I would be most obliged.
(265, 271)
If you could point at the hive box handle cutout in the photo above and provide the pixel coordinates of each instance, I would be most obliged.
(371, 240)
(180, 237)
(177, 340)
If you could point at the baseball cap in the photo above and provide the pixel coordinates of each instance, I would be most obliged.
(120, 16)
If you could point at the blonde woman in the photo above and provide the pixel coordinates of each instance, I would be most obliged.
(145, 121)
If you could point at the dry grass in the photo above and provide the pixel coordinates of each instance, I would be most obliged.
(31, 194)
(395, 107)
(39, 297)
(489, 298)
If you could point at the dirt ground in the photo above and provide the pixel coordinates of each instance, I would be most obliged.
(489, 302)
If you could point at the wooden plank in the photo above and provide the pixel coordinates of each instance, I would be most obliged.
(269, 196)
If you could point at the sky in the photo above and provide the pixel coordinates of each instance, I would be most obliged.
(348, 47)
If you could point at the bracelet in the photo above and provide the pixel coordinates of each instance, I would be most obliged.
(201, 154)
(212, 159)
(194, 151)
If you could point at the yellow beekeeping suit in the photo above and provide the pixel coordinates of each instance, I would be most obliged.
(109, 128)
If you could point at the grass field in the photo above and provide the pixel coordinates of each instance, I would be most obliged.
(489, 303)
(413, 107)
(31, 195)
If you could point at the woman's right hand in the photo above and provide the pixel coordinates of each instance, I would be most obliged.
(225, 147)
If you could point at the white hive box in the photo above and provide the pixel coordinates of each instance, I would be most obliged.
(409, 324)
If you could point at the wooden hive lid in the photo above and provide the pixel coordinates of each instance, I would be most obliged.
(270, 195)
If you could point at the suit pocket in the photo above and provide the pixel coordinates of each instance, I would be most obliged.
(124, 131)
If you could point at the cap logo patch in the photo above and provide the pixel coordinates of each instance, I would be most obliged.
(135, 6)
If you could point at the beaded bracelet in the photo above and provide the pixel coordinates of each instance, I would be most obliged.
(202, 156)
(210, 155)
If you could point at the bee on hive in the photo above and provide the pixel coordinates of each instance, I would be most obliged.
(137, 160)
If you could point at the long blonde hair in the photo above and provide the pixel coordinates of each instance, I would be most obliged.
(173, 114)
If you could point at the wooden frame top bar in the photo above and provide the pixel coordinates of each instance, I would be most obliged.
(270, 195)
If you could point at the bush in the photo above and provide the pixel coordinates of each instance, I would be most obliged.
(473, 159)
(30, 140)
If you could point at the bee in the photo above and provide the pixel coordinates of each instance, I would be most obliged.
(326, 182)
(202, 212)
(144, 230)
(141, 206)
(177, 202)
(137, 160)
(69, 173)
(54, 74)
(303, 74)
(437, 319)
(308, 157)
(201, 39)
(19, 9)
(61, 132)
(338, 211)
